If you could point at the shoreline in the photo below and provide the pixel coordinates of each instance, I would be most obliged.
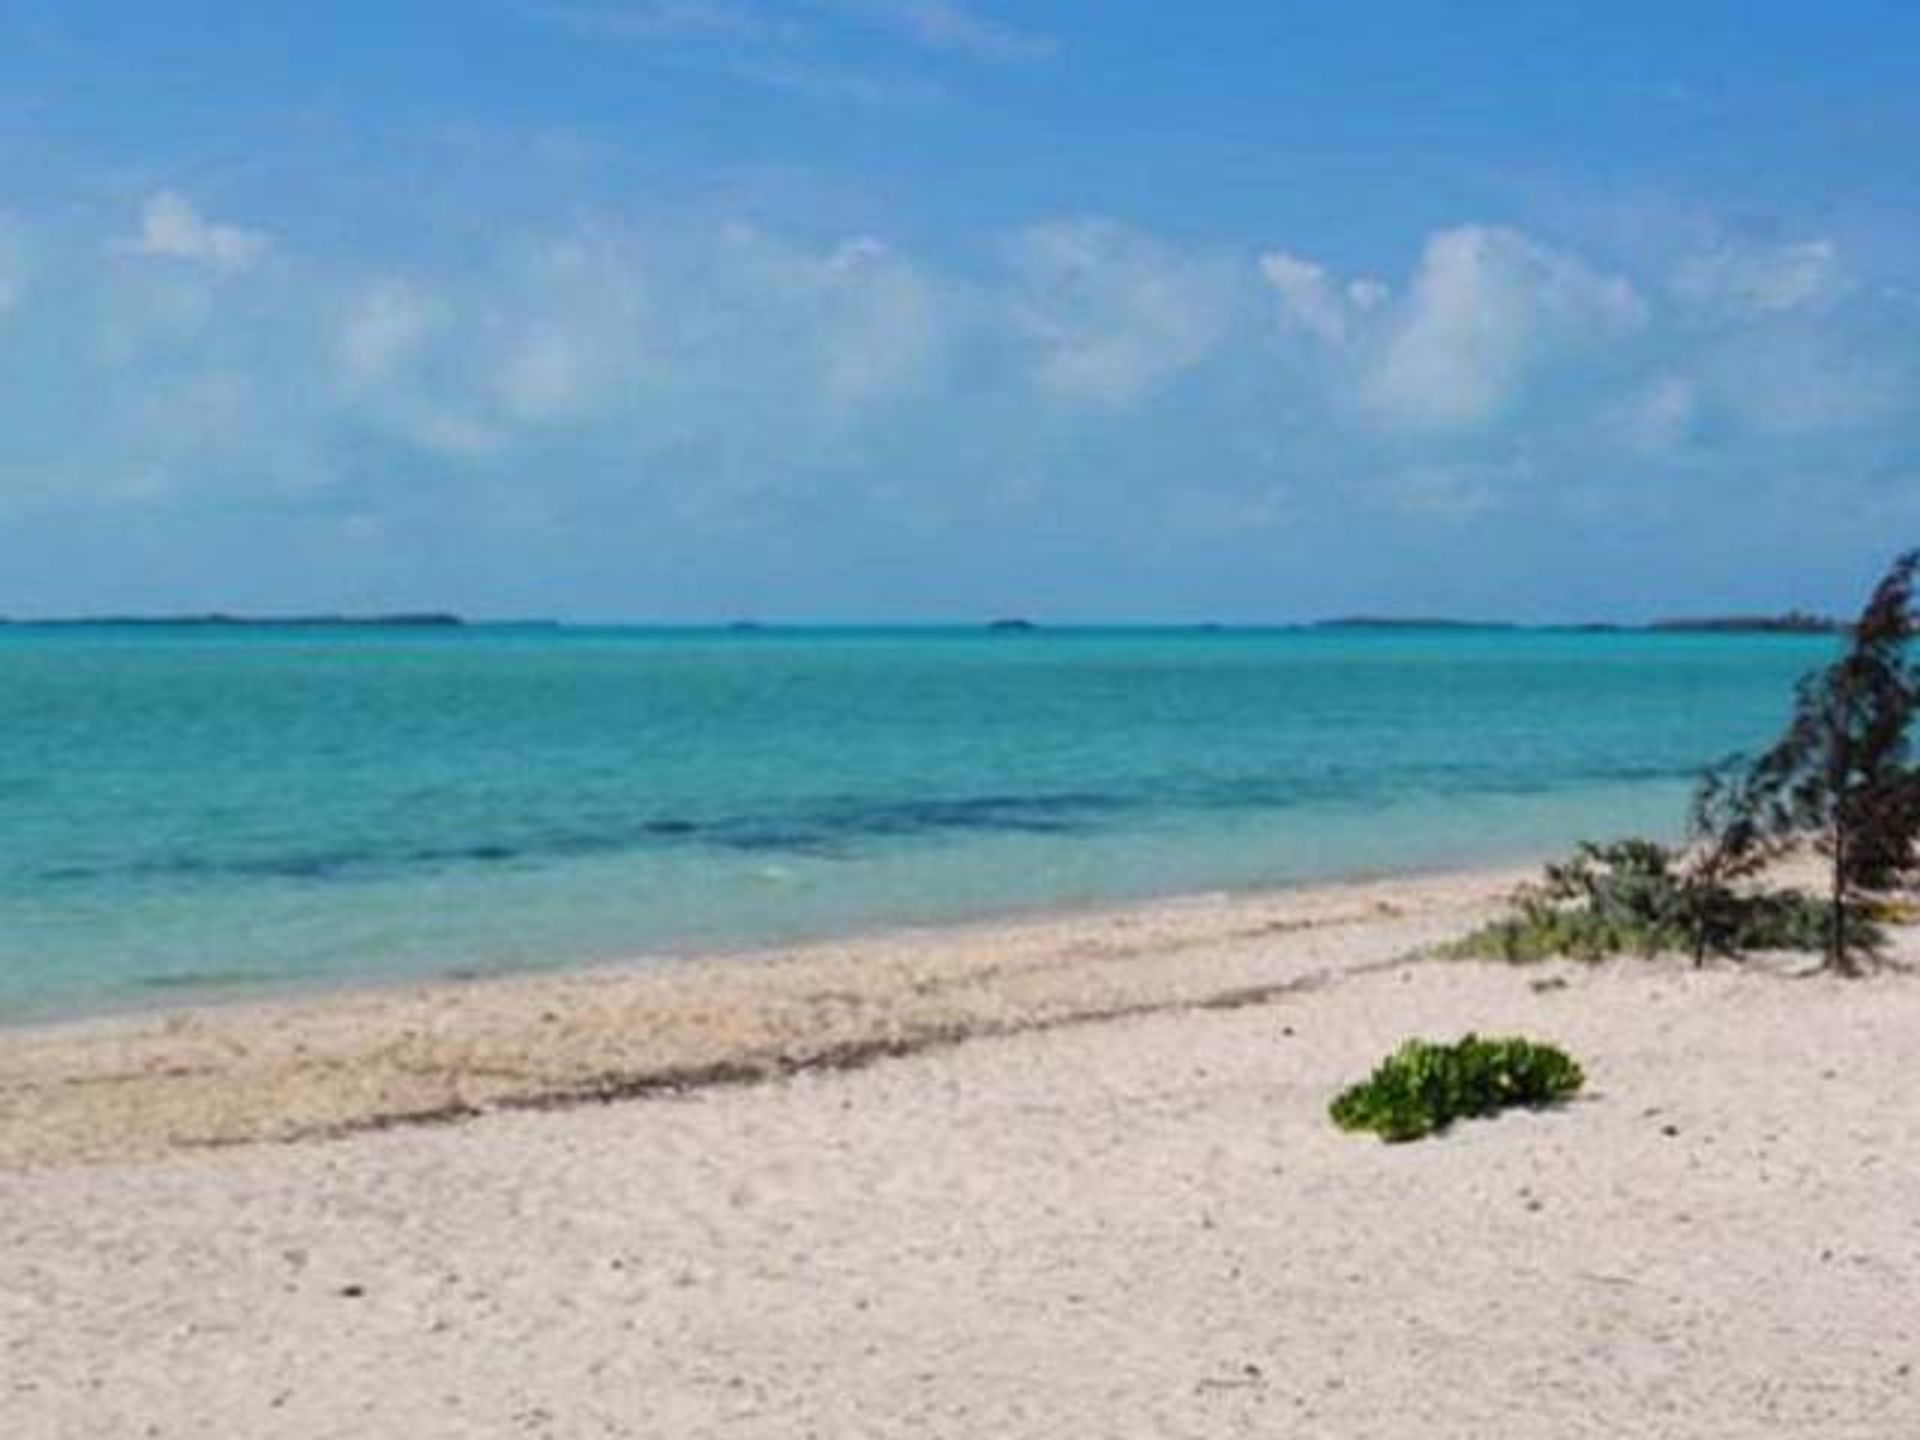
(198, 1073)
(167, 997)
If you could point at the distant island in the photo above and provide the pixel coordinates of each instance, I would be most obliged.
(423, 620)
(1014, 624)
(1408, 622)
(1794, 622)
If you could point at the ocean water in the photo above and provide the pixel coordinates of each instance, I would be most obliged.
(194, 812)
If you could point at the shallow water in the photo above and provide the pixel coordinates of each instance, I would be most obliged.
(190, 811)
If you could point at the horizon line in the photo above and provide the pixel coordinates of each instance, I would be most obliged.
(1786, 622)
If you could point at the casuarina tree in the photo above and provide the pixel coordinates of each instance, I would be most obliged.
(1841, 774)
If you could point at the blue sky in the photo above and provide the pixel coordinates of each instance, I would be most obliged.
(925, 309)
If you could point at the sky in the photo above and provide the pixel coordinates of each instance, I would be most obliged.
(853, 310)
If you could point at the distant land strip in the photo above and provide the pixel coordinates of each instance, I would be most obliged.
(1791, 623)
(422, 620)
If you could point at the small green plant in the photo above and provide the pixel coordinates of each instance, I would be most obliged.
(1635, 897)
(1423, 1087)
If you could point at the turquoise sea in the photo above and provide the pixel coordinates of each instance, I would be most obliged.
(187, 812)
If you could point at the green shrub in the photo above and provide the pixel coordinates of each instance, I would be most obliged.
(1627, 897)
(1634, 897)
(1423, 1087)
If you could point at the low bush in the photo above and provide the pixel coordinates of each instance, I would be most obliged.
(1423, 1087)
(1635, 897)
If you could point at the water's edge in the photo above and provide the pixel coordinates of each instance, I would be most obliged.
(279, 998)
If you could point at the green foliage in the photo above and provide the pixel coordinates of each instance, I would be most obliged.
(1841, 775)
(1627, 895)
(1423, 1087)
(1635, 897)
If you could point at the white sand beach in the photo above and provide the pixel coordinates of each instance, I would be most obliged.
(1059, 1177)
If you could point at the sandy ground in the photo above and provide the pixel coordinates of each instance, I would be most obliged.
(1066, 1226)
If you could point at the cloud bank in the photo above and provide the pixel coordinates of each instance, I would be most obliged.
(697, 391)
(172, 229)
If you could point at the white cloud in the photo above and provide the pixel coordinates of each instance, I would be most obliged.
(545, 377)
(883, 323)
(568, 333)
(1112, 313)
(1366, 295)
(1658, 416)
(831, 331)
(641, 342)
(171, 228)
(1769, 280)
(1314, 299)
(950, 25)
(385, 325)
(648, 371)
(1488, 305)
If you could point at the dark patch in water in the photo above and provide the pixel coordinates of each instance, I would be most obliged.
(824, 830)
(199, 980)
(756, 838)
(833, 827)
(299, 867)
(834, 823)
(1643, 772)
(1037, 814)
(669, 827)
